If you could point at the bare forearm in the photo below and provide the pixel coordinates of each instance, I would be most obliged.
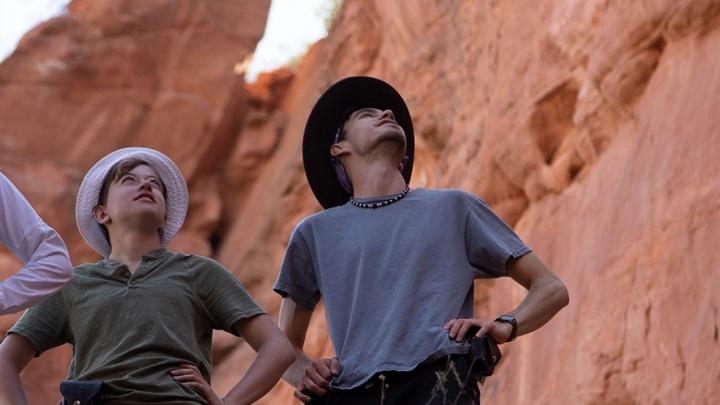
(296, 371)
(11, 391)
(544, 299)
(267, 368)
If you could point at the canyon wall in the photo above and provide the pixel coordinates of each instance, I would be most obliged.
(590, 126)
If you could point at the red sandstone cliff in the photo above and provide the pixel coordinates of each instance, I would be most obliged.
(591, 126)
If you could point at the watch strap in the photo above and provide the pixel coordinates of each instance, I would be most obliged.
(507, 318)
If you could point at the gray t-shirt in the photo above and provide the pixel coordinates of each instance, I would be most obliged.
(392, 277)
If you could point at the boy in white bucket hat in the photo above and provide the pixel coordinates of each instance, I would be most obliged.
(141, 320)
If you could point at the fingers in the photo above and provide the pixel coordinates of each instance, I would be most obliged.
(455, 328)
(191, 367)
(185, 375)
(324, 368)
(299, 394)
(464, 329)
(319, 374)
(315, 383)
(484, 329)
(190, 376)
(458, 328)
(197, 386)
(335, 366)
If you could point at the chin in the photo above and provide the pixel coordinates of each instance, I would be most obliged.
(395, 138)
(149, 216)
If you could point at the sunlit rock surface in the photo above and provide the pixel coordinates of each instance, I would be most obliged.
(590, 126)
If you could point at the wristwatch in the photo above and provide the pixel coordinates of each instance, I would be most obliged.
(507, 318)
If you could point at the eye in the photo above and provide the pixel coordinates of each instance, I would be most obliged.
(127, 179)
(155, 182)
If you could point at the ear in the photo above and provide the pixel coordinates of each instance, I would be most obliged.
(403, 163)
(101, 215)
(340, 149)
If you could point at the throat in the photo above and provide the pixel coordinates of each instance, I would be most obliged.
(377, 181)
(130, 247)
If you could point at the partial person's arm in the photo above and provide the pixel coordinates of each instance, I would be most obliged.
(47, 265)
(15, 353)
(546, 296)
(274, 355)
(304, 374)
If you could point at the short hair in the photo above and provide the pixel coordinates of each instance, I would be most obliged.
(344, 117)
(117, 171)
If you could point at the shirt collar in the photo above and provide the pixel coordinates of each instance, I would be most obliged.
(116, 267)
(158, 253)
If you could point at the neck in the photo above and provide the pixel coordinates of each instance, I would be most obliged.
(377, 179)
(129, 247)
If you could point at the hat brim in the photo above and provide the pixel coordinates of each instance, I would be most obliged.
(322, 124)
(176, 200)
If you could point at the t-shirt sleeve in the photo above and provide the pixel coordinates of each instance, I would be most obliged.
(45, 324)
(297, 278)
(489, 241)
(224, 297)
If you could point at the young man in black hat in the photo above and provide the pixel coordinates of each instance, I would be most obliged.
(394, 266)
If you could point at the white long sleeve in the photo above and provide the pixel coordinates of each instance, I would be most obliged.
(47, 265)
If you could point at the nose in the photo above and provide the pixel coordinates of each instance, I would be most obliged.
(387, 114)
(145, 184)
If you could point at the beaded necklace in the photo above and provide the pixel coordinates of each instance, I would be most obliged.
(382, 203)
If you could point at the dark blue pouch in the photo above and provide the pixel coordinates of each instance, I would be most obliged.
(81, 392)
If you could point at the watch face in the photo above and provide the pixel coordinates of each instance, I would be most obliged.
(508, 318)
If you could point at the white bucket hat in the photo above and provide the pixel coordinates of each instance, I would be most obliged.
(87, 199)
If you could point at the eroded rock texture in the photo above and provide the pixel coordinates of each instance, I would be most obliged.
(591, 126)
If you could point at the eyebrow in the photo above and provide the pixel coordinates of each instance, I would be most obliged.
(152, 176)
(362, 110)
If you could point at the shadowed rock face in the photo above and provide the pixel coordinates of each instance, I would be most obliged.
(118, 73)
(591, 127)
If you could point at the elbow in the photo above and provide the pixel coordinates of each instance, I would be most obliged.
(57, 259)
(58, 277)
(278, 351)
(65, 267)
(66, 274)
(562, 297)
(58, 268)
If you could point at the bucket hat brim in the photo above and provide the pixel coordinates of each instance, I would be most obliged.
(176, 200)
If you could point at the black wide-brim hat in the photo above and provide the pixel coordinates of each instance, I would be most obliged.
(349, 94)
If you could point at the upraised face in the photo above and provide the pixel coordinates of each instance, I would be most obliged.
(135, 197)
(367, 128)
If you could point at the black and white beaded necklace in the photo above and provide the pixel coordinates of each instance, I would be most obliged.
(381, 203)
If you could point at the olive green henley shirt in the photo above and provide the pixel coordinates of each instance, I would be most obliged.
(130, 330)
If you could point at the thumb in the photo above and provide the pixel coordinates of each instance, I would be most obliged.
(335, 366)
(484, 329)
